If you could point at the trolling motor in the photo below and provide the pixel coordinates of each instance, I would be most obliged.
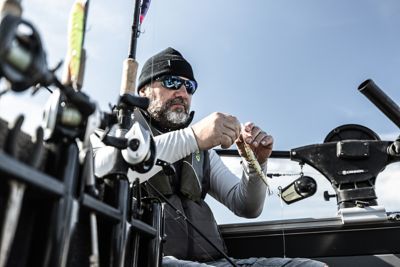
(351, 158)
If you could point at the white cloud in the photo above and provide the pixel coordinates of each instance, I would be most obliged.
(387, 186)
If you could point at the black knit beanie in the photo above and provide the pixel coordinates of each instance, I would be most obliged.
(168, 61)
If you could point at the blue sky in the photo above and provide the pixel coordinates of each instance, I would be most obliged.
(292, 67)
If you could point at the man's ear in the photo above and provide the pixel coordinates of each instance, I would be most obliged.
(142, 92)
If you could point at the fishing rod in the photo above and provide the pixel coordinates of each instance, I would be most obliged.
(128, 88)
(70, 118)
(134, 149)
(23, 64)
(130, 65)
(17, 189)
(129, 134)
(135, 30)
(15, 58)
(128, 85)
(73, 77)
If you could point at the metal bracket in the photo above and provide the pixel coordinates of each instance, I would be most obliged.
(363, 214)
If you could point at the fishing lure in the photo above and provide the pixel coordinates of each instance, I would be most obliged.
(76, 54)
(252, 161)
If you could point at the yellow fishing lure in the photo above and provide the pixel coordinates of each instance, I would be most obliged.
(75, 54)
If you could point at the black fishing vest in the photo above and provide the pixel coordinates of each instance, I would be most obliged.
(186, 190)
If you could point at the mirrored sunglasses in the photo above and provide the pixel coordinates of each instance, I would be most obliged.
(175, 82)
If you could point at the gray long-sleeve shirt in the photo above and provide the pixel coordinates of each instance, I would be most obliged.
(244, 196)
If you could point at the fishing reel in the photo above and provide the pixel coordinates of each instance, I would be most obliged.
(140, 150)
(22, 58)
(137, 150)
(70, 114)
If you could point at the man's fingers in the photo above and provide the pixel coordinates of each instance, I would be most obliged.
(226, 141)
(267, 141)
(260, 142)
(253, 135)
(248, 126)
(233, 124)
(262, 138)
(228, 137)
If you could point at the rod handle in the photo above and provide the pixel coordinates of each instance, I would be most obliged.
(129, 73)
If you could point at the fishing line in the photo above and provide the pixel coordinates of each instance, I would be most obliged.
(283, 227)
(190, 236)
(184, 218)
(176, 218)
(194, 227)
(180, 214)
(281, 203)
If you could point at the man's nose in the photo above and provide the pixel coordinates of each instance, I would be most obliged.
(182, 92)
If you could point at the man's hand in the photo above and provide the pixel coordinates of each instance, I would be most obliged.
(259, 141)
(216, 129)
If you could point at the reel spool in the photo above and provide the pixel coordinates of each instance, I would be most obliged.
(141, 149)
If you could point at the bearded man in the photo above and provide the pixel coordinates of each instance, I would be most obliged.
(167, 79)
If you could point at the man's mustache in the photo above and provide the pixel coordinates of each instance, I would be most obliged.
(178, 100)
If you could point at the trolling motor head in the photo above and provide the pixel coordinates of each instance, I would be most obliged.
(22, 58)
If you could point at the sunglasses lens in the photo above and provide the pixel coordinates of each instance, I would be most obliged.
(171, 82)
(175, 82)
(190, 86)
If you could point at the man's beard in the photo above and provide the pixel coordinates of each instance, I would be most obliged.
(167, 118)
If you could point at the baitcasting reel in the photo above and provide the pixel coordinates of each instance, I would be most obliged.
(70, 115)
(22, 58)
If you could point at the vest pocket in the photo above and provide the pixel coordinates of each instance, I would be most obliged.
(190, 182)
(162, 183)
